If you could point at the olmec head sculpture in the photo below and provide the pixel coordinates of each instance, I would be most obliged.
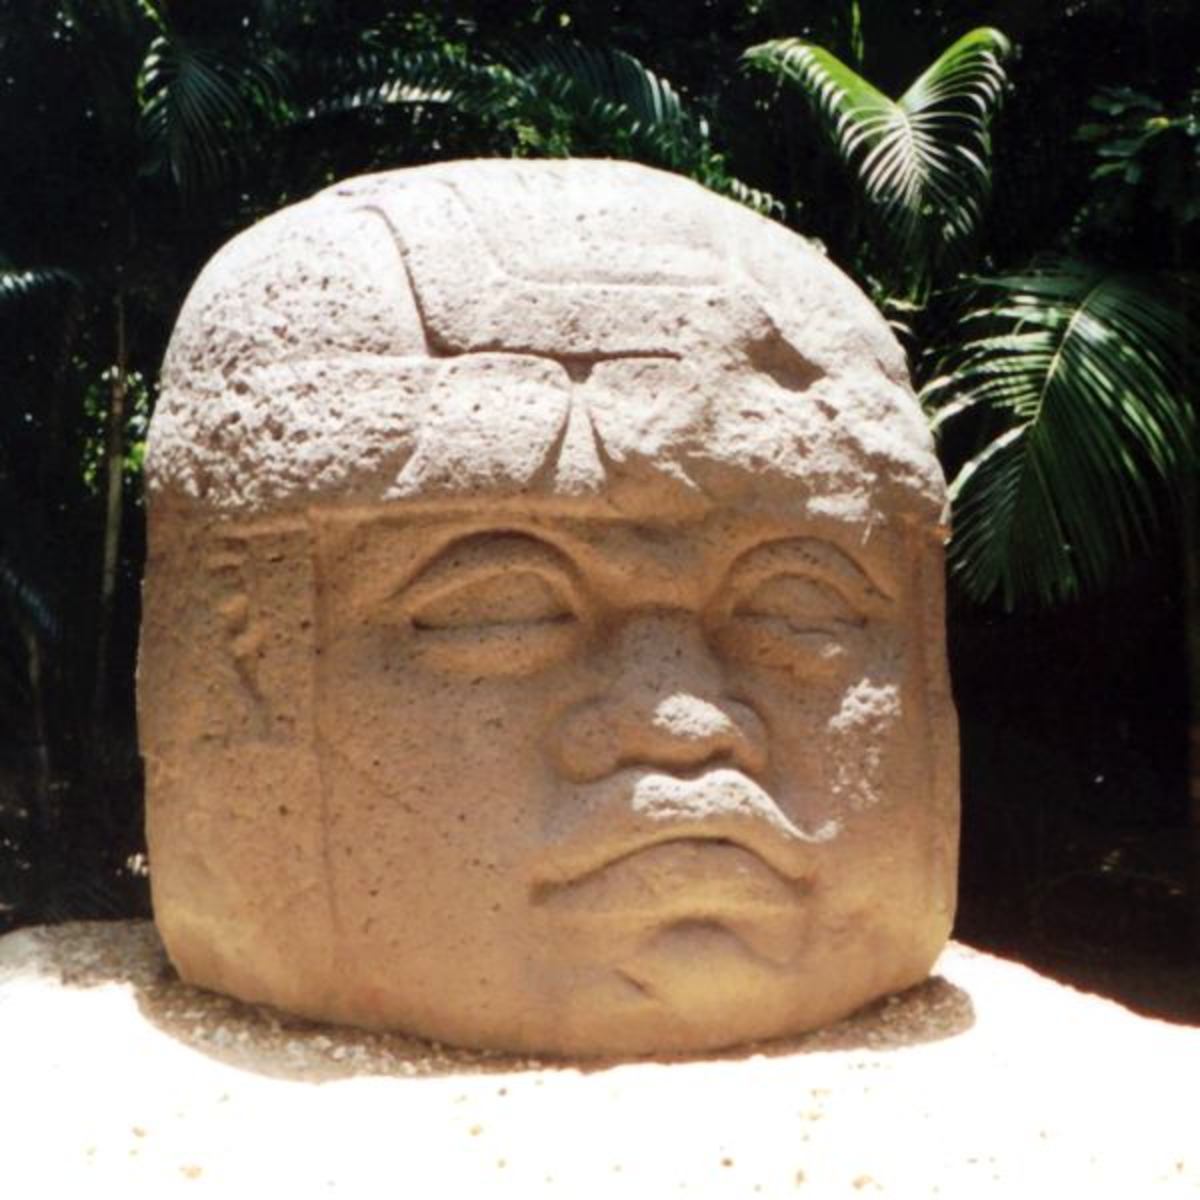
(543, 639)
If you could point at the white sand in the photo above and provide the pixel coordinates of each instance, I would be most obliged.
(989, 1080)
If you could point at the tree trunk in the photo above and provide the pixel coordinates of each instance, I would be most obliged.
(114, 462)
(44, 813)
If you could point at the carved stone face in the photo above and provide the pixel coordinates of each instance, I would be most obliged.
(624, 784)
(617, 722)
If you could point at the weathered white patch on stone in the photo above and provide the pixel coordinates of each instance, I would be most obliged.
(867, 712)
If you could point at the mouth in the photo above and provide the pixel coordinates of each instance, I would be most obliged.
(647, 843)
(676, 879)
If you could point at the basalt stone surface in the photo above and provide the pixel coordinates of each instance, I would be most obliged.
(543, 641)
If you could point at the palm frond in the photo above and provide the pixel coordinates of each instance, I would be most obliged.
(620, 107)
(373, 77)
(31, 603)
(18, 285)
(923, 161)
(555, 97)
(197, 108)
(608, 88)
(1086, 375)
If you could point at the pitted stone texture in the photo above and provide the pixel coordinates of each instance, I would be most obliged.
(301, 362)
(543, 641)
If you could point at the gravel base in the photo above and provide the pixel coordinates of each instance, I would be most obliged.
(986, 1080)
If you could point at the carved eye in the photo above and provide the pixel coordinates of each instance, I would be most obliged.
(497, 606)
(791, 622)
(501, 601)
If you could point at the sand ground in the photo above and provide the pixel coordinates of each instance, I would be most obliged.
(986, 1081)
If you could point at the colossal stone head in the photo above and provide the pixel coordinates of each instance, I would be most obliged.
(543, 641)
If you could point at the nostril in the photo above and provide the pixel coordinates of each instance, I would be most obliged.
(681, 732)
(684, 766)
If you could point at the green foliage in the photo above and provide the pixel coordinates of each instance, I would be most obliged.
(1069, 382)
(610, 94)
(1148, 157)
(602, 100)
(549, 98)
(20, 286)
(197, 107)
(922, 162)
(1080, 378)
(135, 426)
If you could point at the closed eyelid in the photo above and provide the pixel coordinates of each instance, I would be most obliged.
(482, 557)
(810, 559)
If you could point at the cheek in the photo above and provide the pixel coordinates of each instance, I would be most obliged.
(844, 742)
(413, 732)
(435, 784)
(862, 740)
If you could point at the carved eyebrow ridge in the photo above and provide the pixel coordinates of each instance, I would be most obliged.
(814, 558)
(483, 555)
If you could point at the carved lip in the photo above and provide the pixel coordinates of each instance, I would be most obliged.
(682, 877)
(716, 833)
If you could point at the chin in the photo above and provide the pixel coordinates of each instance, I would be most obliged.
(699, 992)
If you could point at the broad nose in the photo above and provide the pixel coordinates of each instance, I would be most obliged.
(666, 707)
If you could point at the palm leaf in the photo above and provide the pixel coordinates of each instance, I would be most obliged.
(17, 286)
(622, 108)
(1085, 373)
(374, 79)
(603, 86)
(612, 91)
(556, 97)
(197, 109)
(32, 605)
(923, 161)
